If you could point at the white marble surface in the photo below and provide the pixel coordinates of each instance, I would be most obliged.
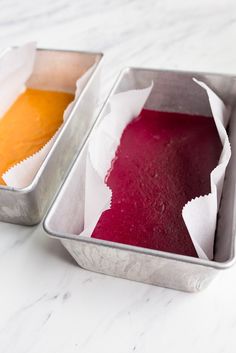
(48, 304)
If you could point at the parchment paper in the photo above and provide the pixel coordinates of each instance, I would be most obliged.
(16, 66)
(199, 214)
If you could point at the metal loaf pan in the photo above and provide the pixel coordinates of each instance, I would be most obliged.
(56, 70)
(173, 91)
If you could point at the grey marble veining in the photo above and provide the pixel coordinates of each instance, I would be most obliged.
(47, 303)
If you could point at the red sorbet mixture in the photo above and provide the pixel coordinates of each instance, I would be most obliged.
(163, 161)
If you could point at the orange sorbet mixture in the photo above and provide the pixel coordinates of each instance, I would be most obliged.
(29, 124)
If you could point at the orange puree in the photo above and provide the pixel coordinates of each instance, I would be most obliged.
(29, 124)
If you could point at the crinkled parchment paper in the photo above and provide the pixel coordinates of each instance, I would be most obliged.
(199, 214)
(16, 66)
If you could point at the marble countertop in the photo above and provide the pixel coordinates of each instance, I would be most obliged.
(47, 303)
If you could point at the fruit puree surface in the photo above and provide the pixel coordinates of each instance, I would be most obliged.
(29, 124)
(163, 161)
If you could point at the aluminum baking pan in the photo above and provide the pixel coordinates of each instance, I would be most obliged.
(173, 91)
(55, 70)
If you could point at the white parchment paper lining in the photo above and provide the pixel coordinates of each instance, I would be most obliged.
(16, 67)
(199, 214)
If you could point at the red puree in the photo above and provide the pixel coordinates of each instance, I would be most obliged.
(163, 161)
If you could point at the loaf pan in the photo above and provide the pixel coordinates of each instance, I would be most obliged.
(172, 91)
(55, 70)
